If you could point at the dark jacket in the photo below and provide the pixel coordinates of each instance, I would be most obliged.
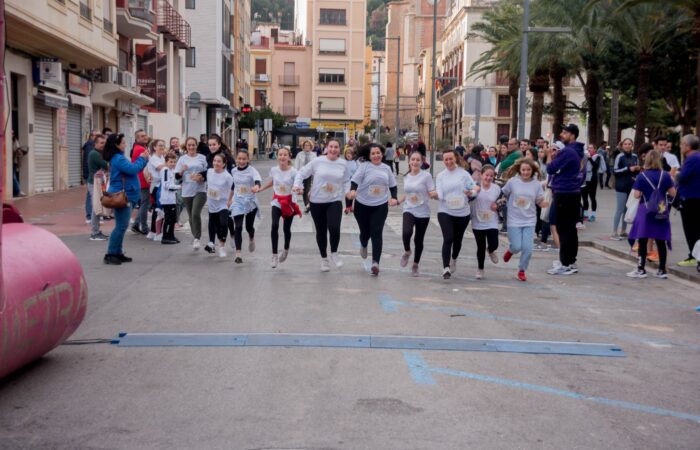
(567, 170)
(230, 162)
(120, 167)
(624, 177)
(509, 161)
(88, 146)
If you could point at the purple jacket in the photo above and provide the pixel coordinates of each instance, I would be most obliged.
(566, 169)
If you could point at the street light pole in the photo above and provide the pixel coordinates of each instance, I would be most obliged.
(432, 90)
(378, 129)
(522, 97)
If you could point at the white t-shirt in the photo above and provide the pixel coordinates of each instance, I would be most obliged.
(282, 182)
(451, 185)
(522, 201)
(153, 162)
(483, 217)
(244, 180)
(331, 179)
(218, 187)
(417, 188)
(303, 158)
(672, 160)
(168, 187)
(373, 183)
(195, 164)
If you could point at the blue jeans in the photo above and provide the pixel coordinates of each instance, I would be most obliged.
(15, 185)
(121, 223)
(620, 211)
(88, 202)
(520, 239)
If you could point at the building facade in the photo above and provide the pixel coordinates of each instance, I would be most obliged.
(241, 54)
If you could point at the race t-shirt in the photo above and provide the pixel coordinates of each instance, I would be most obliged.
(417, 189)
(483, 217)
(373, 183)
(218, 188)
(451, 185)
(195, 164)
(522, 201)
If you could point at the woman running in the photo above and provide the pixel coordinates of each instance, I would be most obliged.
(524, 193)
(418, 189)
(283, 206)
(243, 203)
(349, 154)
(485, 219)
(194, 189)
(331, 182)
(454, 187)
(219, 184)
(371, 186)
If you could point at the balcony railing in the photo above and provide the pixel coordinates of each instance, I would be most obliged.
(173, 26)
(261, 78)
(447, 86)
(289, 80)
(290, 110)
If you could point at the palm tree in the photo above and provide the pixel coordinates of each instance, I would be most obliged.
(539, 84)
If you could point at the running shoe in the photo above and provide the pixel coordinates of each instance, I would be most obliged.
(689, 262)
(494, 257)
(573, 268)
(507, 255)
(222, 251)
(542, 247)
(238, 260)
(325, 267)
(479, 274)
(168, 241)
(158, 238)
(135, 229)
(125, 259)
(637, 273)
(209, 248)
(363, 252)
(283, 255)
(98, 237)
(661, 274)
(446, 274)
(561, 270)
(336, 260)
(580, 226)
(88, 221)
(623, 234)
(592, 218)
(615, 237)
(150, 236)
(275, 260)
(251, 246)
(195, 244)
(414, 270)
(453, 266)
(375, 268)
(404, 259)
(521, 275)
(112, 260)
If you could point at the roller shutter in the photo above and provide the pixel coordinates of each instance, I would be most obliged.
(43, 148)
(75, 138)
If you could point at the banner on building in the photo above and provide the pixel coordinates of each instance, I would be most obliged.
(152, 76)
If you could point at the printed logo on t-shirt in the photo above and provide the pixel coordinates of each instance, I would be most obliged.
(485, 216)
(414, 199)
(455, 202)
(331, 188)
(243, 190)
(523, 202)
(281, 189)
(377, 190)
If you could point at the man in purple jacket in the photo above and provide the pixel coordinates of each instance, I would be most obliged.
(567, 170)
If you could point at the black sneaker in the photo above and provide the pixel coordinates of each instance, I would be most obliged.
(112, 260)
(98, 237)
(661, 274)
(209, 248)
(169, 241)
(136, 229)
(123, 258)
(238, 260)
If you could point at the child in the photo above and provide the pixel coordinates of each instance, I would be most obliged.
(219, 184)
(523, 192)
(242, 203)
(485, 219)
(168, 199)
(349, 154)
(156, 163)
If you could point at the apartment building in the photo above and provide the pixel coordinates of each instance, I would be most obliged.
(241, 54)
(209, 66)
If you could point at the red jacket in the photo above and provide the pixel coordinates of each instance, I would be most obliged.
(135, 153)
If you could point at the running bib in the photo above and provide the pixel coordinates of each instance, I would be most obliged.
(282, 189)
(455, 202)
(331, 188)
(523, 202)
(485, 216)
(243, 190)
(414, 199)
(213, 194)
(377, 190)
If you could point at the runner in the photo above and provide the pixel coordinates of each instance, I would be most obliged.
(243, 204)
(194, 189)
(485, 219)
(302, 159)
(454, 187)
(168, 200)
(371, 187)
(523, 192)
(281, 179)
(331, 181)
(219, 184)
(418, 187)
(156, 163)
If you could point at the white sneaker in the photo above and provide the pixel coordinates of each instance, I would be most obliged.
(636, 273)
(158, 238)
(150, 236)
(363, 252)
(195, 244)
(222, 251)
(562, 270)
(275, 260)
(88, 221)
(573, 268)
(404, 259)
(453, 265)
(446, 273)
(336, 260)
(283, 255)
(494, 257)
(580, 226)
(479, 274)
(325, 267)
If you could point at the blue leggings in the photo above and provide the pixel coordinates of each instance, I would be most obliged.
(620, 211)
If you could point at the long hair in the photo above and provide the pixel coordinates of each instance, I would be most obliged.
(653, 160)
(111, 146)
(515, 168)
(365, 150)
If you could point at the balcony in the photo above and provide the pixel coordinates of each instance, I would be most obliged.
(289, 80)
(173, 26)
(447, 86)
(135, 19)
(290, 110)
(261, 78)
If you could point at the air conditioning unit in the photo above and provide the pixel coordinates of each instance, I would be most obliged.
(51, 75)
(308, 43)
(110, 74)
(127, 79)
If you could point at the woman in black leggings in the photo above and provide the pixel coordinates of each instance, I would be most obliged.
(485, 219)
(331, 182)
(371, 186)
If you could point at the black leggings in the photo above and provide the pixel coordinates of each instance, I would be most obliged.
(236, 227)
(660, 246)
(327, 217)
(371, 220)
(217, 225)
(485, 239)
(276, 214)
(169, 222)
(589, 190)
(421, 225)
(453, 229)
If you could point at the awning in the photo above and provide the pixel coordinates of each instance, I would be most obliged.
(106, 94)
(292, 131)
(53, 100)
(80, 100)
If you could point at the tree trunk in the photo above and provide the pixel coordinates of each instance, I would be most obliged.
(539, 84)
(641, 109)
(600, 107)
(591, 89)
(557, 75)
(513, 92)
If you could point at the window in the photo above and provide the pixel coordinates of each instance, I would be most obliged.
(190, 57)
(226, 25)
(502, 129)
(225, 77)
(331, 46)
(107, 16)
(328, 76)
(504, 106)
(332, 104)
(85, 10)
(332, 16)
(260, 98)
(189, 4)
(260, 66)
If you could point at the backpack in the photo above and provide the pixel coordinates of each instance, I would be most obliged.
(657, 203)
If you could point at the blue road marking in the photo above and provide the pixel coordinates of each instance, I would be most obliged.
(422, 373)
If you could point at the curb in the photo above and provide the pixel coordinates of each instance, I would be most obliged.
(692, 276)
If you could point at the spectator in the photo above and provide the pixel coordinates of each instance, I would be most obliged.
(175, 146)
(512, 156)
(670, 161)
(689, 193)
(459, 148)
(18, 153)
(107, 131)
(88, 146)
(626, 168)
(203, 147)
(389, 155)
(141, 221)
(96, 164)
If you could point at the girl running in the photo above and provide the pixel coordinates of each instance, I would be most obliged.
(349, 154)
(331, 182)
(524, 193)
(454, 187)
(371, 187)
(418, 189)
(283, 206)
(156, 163)
(219, 184)
(194, 189)
(243, 203)
(485, 219)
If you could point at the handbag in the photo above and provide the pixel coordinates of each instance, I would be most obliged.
(115, 200)
(632, 206)
(544, 213)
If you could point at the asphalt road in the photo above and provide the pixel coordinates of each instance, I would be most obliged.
(103, 396)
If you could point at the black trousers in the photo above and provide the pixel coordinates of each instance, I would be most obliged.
(218, 222)
(276, 214)
(589, 191)
(236, 227)
(327, 217)
(485, 239)
(453, 229)
(421, 226)
(690, 216)
(568, 206)
(169, 222)
(371, 220)
(660, 246)
(307, 190)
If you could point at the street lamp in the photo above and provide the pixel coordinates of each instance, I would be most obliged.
(398, 74)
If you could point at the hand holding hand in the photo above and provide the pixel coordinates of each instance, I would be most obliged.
(351, 195)
(494, 206)
(393, 202)
(255, 189)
